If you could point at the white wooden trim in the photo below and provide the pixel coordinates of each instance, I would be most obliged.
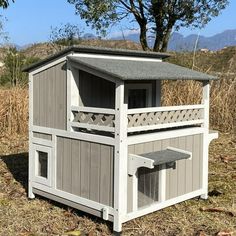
(104, 56)
(75, 94)
(182, 151)
(160, 205)
(42, 142)
(54, 161)
(162, 183)
(163, 126)
(147, 86)
(30, 167)
(165, 108)
(93, 110)
(69, 78)
(45, 181)
(93, 72)
(121, 158)
(136, 161)
(31, 86)
(134, 181)
(158, 93)
(47, 65)
(143, 138)
(212, 135)
(206, 103)
(75, 135)
(91, 126)
(73, 198)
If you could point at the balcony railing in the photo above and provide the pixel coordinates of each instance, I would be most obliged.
(164, 117)
(94, 118)
(141, 119)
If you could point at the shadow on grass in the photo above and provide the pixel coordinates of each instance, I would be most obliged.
(17, 165)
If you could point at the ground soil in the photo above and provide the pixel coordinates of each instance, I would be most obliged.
(24, 217)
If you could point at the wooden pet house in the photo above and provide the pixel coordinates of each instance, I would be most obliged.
(100, 141)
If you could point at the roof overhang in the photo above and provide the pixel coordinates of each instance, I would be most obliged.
(136, 69)
(96, 51)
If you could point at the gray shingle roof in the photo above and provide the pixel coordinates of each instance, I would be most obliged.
(140, 70)
(97, 50)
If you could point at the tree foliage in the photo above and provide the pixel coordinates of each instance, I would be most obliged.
(154, 17)
(5, 3)
(65, 35)
(14, 62)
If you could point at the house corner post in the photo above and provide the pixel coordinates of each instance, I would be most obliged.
(206, 103)
(120, 155)
(31, 154)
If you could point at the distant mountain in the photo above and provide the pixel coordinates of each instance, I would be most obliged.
(88, 36)
(180, 43)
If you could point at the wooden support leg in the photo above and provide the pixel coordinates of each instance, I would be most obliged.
(30, 191)
(117, 225)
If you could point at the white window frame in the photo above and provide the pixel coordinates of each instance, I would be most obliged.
(39, 179)
(147, 86)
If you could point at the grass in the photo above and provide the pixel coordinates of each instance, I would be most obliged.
(24, 217)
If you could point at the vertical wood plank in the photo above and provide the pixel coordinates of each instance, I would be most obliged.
(139, 148)
(201, 160)
(164, 144)
(196, 167)
(41, 103)
(85, 170)
(111, 184)
(157, 145)
(60, 154)
(75, 152)
(189, 165)
(173, 187)
(94, 185)
(148, 147)
(36, 104)
(67, 166)
(182, 169)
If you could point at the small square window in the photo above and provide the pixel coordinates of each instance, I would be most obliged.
(42, 169)
(42, 164)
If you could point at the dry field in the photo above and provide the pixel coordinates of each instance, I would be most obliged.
(23, 217)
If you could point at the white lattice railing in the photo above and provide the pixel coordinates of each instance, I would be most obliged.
(93, 118)
(164, 117)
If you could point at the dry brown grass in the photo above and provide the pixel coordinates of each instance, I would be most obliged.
(39, 217)
(222, 102)
(13, 111)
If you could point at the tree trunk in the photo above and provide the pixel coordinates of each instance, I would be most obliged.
(158, 41)
(143, 37)
(165, 41)
(162, 39)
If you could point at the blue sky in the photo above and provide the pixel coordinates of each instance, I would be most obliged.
(29, 21)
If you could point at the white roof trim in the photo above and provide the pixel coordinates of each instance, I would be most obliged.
(103, 56)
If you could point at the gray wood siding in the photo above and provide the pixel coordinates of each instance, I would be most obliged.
(85, 169)
(42, 136)
(95, 91)
(49, 97)
(185, 177)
